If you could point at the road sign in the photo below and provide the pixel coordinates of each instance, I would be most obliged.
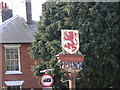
(46, 80)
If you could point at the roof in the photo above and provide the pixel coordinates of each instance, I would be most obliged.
(15, 30)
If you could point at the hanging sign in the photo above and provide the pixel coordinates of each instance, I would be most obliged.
(70, 41)
(46, 80)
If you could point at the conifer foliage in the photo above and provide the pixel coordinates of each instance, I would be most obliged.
(98, 24)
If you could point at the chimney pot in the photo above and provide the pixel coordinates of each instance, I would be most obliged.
(5, 5)
(2, 5)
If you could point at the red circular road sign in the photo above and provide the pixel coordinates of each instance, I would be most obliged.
(46, 80)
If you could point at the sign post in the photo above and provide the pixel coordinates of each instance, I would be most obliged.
(71, 59)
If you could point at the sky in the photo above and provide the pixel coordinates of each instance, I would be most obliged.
(18, 9)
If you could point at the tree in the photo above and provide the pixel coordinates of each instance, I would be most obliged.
(98, 25)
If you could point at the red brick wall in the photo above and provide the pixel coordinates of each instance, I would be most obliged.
(27, 76)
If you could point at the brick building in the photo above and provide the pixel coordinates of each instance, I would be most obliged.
(16, 36)
(15, 61)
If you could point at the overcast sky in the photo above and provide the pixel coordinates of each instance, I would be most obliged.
(16, 6)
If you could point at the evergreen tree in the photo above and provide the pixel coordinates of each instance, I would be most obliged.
(98, 25)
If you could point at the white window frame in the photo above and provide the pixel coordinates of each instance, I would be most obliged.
(9, 47)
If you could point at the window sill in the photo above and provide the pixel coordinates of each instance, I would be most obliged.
(14, 83)
(13, 72)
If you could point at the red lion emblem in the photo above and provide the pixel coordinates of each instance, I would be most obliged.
(71, 37)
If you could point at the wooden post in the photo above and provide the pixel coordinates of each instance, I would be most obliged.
(72, 78)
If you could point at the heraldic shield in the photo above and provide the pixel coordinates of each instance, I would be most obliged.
(70, 41)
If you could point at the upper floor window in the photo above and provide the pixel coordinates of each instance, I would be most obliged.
(12, 57)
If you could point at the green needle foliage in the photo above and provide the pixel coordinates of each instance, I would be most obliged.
(98, 24)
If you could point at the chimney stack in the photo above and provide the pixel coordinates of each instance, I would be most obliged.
(28, 11)
(5, 12)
